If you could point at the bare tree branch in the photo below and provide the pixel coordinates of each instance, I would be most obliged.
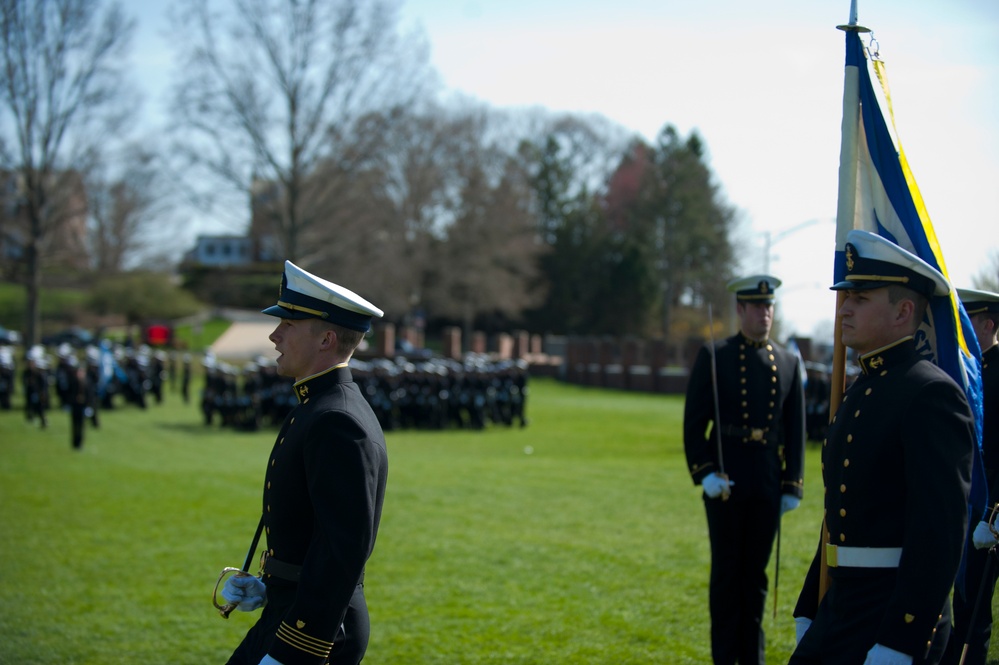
(266, 89)
(60, 98)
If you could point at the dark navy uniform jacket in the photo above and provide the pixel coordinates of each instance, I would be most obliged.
(897, 471)
(322, 502)
(762, 407)
(990, 420)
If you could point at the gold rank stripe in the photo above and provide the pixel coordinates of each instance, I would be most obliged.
(300, 640)
(877, 278)
(299, 308)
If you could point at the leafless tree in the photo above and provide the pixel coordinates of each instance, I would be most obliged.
(60, 95)
(271, 90)
(987, 278)
(484, 257)
(126, 201)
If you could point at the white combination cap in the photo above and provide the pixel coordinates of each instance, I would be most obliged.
(305, 296)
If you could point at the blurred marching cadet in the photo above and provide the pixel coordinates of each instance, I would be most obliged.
(35, 381)
(185, 379)
(750, 462)
(96, 380)
(974, 627)
(214, 385)
(157, 373)
(81, 400)
(323, 487)
(7, 374)
(136, 376)
(64, 370)
(897, 470)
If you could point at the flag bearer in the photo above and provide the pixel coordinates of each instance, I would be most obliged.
(896, 465)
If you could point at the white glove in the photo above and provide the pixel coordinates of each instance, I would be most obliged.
(801, 626)
(882, 655)
(788, 502)
(714, 485)
(267, 660)
(248, 592)
(983, 536)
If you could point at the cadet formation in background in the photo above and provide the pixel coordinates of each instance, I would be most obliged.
(433, 393)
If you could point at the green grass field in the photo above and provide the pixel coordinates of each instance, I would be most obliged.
(592, 549)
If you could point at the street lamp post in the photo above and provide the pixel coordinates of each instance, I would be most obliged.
(771, 239)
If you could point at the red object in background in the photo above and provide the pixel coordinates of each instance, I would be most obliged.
(158, 334)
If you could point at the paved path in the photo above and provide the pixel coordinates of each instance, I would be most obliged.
(246, 338)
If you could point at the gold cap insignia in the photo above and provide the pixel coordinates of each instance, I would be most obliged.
(764, 287)
(849, 257)
(300, 624)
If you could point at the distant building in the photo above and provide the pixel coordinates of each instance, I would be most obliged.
(230, 251)
(221, 251)
(65, 241)
(260, 245)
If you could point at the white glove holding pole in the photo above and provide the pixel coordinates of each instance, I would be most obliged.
(983, 536)
(882, 655)
(801, 626)
(715, 486)
(788, 502)
(248, 592)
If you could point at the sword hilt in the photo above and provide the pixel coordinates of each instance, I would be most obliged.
(991, 520)
(226, 610)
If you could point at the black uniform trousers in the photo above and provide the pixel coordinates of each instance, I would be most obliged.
(77, 416)
(742, 531)
(349, 644)
(980, 634)
(848, 618)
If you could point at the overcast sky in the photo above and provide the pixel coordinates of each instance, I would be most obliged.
(761, 82)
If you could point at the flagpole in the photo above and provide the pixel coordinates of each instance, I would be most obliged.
(846, 204)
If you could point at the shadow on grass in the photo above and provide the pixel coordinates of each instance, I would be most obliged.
(200, 429)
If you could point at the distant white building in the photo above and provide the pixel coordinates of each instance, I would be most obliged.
(229, 250)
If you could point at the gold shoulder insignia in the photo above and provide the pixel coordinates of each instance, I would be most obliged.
(909, 618)
(300, 624)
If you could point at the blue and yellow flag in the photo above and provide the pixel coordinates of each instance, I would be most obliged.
(878, 193)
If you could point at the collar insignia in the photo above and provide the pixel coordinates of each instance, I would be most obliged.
(877, 362)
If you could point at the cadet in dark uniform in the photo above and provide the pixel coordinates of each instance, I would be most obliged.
(897, 471)
(185, 379)
(762, 411)
(7, 377)
(983, 308)
(64, 371)
(80, 396)
(323, 488)
(35, 380)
